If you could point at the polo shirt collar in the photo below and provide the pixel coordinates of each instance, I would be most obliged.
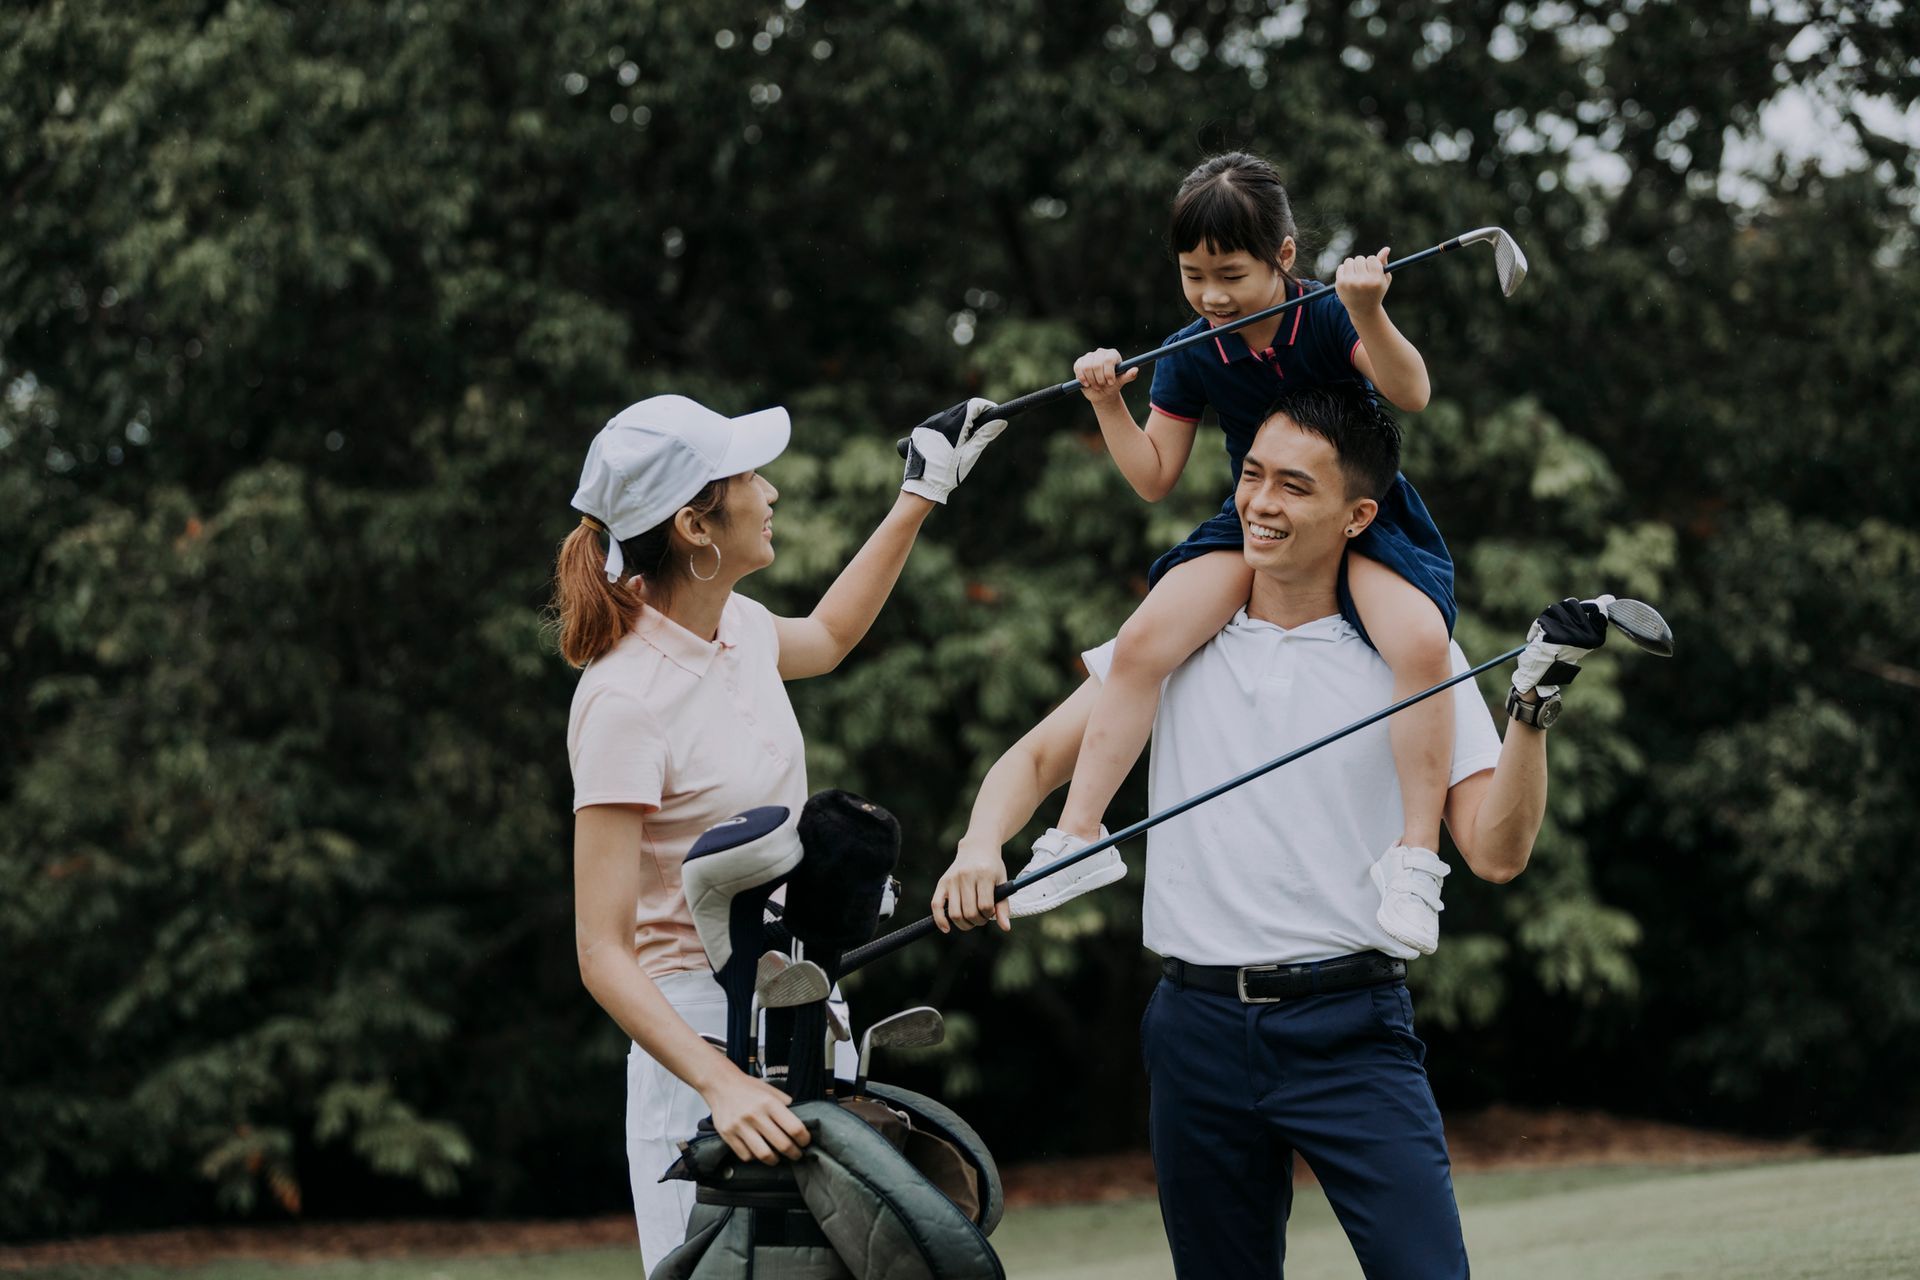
(1331, 627)
(679, 645)
(1231, 347)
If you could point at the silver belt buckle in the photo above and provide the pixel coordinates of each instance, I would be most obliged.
(1240, 983)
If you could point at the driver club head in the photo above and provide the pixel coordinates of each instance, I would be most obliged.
(1508, 259)
(1639, 622)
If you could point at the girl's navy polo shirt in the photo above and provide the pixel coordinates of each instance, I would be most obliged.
(1313, 347)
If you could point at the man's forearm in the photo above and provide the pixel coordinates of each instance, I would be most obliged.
(1509, 817)
(1009, 795)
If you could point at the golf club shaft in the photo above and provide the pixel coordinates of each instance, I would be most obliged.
(1047, 395)
(889, 943)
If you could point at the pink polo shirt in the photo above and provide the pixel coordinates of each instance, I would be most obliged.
(694, 731)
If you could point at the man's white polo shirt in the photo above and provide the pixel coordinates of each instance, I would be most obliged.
(1275, 871)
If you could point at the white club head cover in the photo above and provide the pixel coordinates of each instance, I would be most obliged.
(752, 850)
(1409, 883)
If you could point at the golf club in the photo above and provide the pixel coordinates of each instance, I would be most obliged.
(1510, 264)
(1635, 619)
(917, 1028)
(782, 985)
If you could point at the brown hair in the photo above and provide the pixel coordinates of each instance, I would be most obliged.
(1234, 201)
(591, 615)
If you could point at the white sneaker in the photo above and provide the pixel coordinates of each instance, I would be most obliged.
(1082, 877)
(1409, 884)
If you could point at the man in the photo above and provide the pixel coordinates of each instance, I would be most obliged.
(1283, 1022)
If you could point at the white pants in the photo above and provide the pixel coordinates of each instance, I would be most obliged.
(663, 1111)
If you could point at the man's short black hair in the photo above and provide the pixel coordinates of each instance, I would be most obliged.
(1356, 423)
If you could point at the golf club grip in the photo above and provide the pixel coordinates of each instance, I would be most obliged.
(920, 928)
(1012, 408)
(887, 943)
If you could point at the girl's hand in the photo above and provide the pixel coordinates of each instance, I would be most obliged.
(1098, 381)
(752, 1117)
(964, 896)
(1362, 283)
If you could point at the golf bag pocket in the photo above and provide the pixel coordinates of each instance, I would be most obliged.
(892, 1125)
(940, 1136)
(880, 1217)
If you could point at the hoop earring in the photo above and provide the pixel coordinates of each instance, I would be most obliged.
(698, 576)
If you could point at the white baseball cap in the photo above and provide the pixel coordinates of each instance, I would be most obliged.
(652, 458)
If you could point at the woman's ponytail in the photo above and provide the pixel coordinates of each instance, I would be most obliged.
(590, 614)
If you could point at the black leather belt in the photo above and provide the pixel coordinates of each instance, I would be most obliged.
(1272, 983)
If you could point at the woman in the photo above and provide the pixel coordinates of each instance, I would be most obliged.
(680, 721)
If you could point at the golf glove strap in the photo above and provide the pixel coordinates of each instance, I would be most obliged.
(1557, 641)
(1409, 883)
(942, 450)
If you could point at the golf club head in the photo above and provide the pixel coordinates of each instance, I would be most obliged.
(794, 985)
(916, 1028)
(1508, 260)
(1639, 622)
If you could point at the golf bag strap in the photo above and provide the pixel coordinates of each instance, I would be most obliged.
(1268, 983)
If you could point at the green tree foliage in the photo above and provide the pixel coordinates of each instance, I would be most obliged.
(306, 316)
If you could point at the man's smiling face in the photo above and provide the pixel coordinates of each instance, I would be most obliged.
(1293, 502)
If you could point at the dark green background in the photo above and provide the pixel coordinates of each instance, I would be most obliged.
(307, 316)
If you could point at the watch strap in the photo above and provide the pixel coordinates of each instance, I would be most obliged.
(1528, 713)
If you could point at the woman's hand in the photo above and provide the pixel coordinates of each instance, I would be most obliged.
(753, 1118)
(1097, 377)
(964, 896)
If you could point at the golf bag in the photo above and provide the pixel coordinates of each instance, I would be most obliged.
(893, 1186)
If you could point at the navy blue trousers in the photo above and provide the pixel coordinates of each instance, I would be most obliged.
(1238, 1089)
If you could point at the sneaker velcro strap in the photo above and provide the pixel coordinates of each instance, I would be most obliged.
(1271, 983)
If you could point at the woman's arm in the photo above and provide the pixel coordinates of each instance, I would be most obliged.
(751, 1115)
(815, 644)
(1495, 817)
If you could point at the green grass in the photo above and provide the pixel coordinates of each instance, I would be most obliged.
(1827, 1218)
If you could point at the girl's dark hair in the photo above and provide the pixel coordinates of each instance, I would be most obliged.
(1233, 202)
(590, 614)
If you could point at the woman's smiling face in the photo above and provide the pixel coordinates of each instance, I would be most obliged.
(744, 534)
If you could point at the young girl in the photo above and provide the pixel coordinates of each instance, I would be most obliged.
(1234, 235)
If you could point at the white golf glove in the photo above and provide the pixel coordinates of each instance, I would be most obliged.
(944, 448)
(1557, 641)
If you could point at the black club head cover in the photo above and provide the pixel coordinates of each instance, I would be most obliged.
(852, 846)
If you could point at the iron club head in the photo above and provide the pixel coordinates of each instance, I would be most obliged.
(1639, 622)
(802, 982)
(1508, 260)
(916, 1028)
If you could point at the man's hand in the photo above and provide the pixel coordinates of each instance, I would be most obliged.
(752, 1117)
(1557, 641)
(1362, 283)
(1099, 382)
(941, 450)
(964, 896)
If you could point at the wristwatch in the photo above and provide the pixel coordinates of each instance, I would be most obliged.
(1537, 715)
